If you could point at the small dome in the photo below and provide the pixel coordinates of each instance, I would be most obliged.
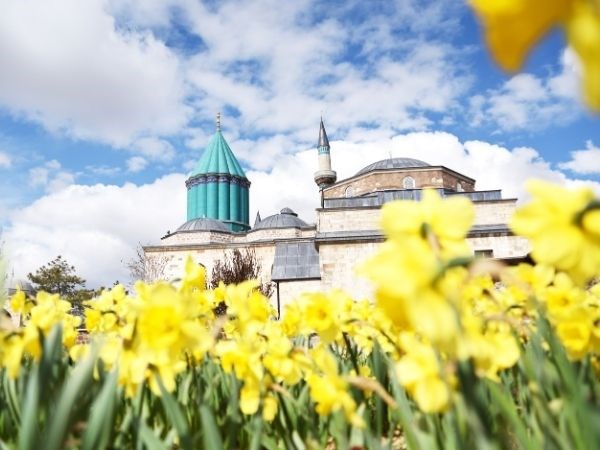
(393, 163)
(288, 211)
(204, 224)
(22, 285)
(285, 219)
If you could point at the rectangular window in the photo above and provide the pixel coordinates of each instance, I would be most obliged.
(487, 253)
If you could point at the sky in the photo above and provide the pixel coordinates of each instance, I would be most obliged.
(106, 105)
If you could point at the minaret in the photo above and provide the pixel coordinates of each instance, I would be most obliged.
(218, 187)
(324, 176)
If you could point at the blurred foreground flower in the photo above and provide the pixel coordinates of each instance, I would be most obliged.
(564, 228)
(512, 27)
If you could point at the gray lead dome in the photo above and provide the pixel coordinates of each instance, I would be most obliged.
(285, 219)
(393, 163)
(204, 224)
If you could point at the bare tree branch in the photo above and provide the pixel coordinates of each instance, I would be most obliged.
(146, 267)
(235, 267)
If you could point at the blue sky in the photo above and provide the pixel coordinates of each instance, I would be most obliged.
(106, 104)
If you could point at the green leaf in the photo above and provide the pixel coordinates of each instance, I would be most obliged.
(78, 381)
(212, 438)
(257, 431)
(150, 440)
(298, 441)
(175, 415)
(28, 432)
(98, 431)
(507, 407)
(8, 387)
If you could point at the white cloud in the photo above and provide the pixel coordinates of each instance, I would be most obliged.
(289, 184)
(277, 77)
(53, 164)
(51, 176)
(103, 170)
(263, 153)
(38, 176)
(492, 166)
(154, 149)
(529, 102)
(584, 161)
(567, 83)
(60, 181)
(5, 160)
(136, 164)
(67, 66)
(103, 71)
(95, 227)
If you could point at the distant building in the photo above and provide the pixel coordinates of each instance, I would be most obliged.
(14, 286)
(299, 256)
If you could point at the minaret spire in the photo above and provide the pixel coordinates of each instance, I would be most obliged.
(323, 141)
(324, 176)
(219, 121)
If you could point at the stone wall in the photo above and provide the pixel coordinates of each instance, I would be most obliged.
(338, 260)
(494, 212)
(328, 220)
(277, 233)
(196, 237)
(346, 219)
(210, 237)
(208, 257)
(338, 267)
(291, 290)
(394, 179)
(503, 246)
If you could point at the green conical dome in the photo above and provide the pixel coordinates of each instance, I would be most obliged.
(218, 159)
(218, 187)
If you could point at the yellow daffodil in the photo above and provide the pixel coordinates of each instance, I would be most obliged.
(443, 223)
(562, 231)
(322, 315)
(419, 372)
(17, 302)
(513, 27)
(583, 33)
(194, 277)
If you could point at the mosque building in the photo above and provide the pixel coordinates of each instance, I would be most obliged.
(298, 256)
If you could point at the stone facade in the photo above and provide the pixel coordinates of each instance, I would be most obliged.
(381, 180)
(300, 257)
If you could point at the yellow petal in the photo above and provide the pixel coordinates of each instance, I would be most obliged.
(432, 395)
(249, 397)
(512, 27)
(583, 33)
(269, 408)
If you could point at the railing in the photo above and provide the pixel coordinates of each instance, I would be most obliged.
(379, 198)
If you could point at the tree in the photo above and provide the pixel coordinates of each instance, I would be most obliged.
(236, 267)
(59, 277)
(145, 267)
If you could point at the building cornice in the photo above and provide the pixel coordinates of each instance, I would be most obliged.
(206, 178)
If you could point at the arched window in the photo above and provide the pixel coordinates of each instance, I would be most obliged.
(459, 187)
(408, 183)
(349, 192)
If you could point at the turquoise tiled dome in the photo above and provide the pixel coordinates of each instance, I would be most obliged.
(218, 159)
(218, 188)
